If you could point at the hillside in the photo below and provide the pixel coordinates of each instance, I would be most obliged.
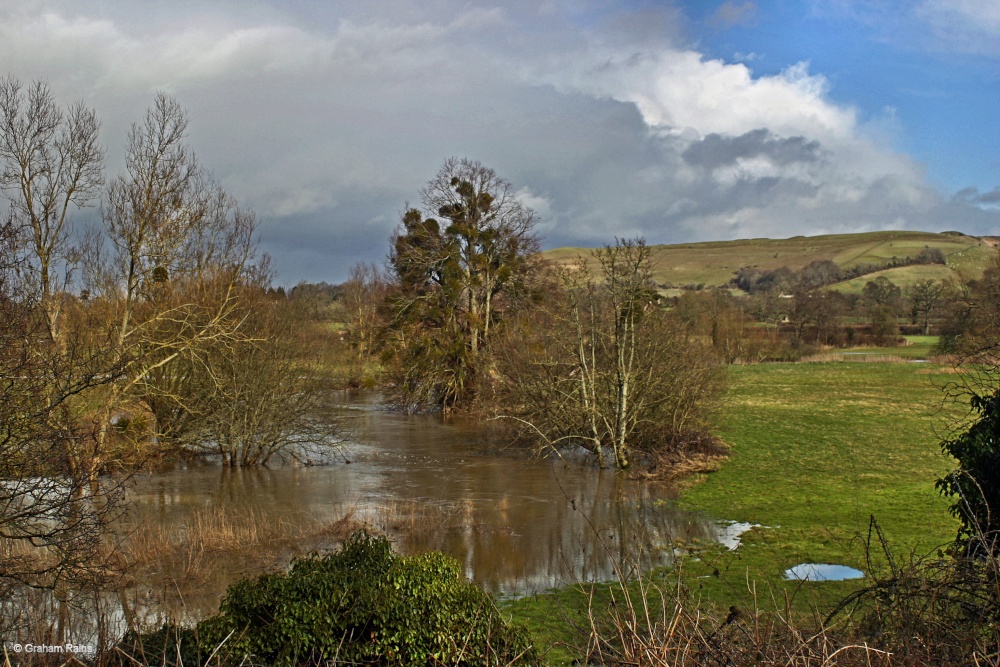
(715, 263)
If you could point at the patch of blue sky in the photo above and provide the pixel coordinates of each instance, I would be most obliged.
(925, 99)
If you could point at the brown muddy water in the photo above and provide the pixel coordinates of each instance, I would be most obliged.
(518, 525)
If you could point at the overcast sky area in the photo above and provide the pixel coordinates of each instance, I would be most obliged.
(686, 121)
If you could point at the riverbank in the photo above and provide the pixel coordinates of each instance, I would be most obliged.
(818, 449)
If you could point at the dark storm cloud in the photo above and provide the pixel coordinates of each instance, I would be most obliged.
(716, 151)
(324, 244)
(974, 196)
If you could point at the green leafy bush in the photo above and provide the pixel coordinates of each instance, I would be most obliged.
(365, 605)
(975, 485)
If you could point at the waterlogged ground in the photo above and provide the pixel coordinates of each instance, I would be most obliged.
(819, 451)
(518, 525)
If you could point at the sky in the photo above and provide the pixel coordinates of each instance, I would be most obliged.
(676, 121)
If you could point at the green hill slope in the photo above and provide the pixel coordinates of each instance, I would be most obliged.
(715, 263)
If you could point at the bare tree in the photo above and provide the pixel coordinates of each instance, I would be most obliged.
(717, 316)
(51, 521)
(260, 404)
(628, 282)
(364, 293)
(882, 303)
(816, 308)
(925, 297)
(52, 517)
(604, 367)
(50, 164)
(180, 250)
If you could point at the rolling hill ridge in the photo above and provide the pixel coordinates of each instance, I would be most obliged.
(715, 263)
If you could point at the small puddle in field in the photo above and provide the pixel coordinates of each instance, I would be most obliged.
(822, 572)
(730, 533)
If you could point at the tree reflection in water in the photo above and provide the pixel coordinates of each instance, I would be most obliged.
(517, 525)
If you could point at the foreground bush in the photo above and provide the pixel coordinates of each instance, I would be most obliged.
(362, 605)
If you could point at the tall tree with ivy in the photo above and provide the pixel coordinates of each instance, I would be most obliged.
(460, 263)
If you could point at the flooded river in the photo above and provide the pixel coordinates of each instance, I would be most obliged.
(517, 524)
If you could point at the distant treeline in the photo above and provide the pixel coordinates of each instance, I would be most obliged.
(821, 272)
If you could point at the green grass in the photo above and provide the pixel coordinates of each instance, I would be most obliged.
(817, 449)
(972, 261)
(916, 347)
(904, 276)
(715, 263)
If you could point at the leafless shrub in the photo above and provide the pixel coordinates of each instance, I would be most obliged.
(603, 367)
(647, 625)
(938, 609)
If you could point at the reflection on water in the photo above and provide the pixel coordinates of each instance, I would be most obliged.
(517, 525)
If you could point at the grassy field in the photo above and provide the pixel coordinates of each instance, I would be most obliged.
(904, 276)
(915, 348)
(715, 263)
(817, 450)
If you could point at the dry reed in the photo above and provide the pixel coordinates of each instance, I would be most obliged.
(867, 358)
(179, 571)
(647, 625)
(221, 530)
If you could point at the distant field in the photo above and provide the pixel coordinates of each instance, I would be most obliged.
(916, 348)
(903, 276)
(715, 263)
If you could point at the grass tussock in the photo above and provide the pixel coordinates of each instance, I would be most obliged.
(688, 455)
